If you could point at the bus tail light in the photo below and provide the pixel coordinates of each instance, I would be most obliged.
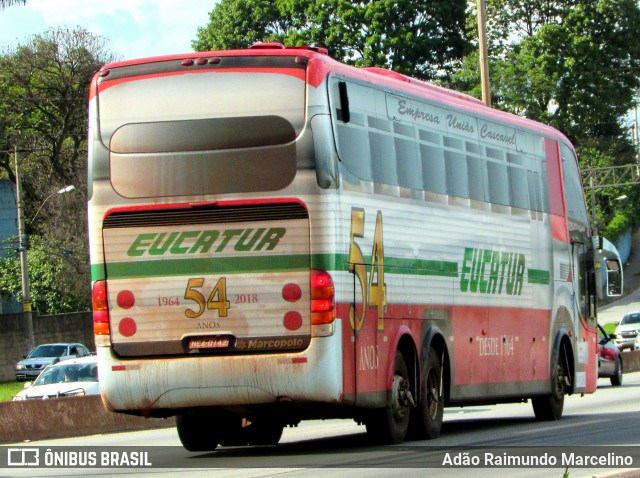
(322, 298)
(100, 308)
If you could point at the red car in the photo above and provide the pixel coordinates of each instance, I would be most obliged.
(609, 358)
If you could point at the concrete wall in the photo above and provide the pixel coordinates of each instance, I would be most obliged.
(623, 244)
(76, 327)
(67, 417)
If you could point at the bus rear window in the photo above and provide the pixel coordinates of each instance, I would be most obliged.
(202, 135)
(171, 134)
(201, 95)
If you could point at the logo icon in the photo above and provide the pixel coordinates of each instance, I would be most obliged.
(23, 457)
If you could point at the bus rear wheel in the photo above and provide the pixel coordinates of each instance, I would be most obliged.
(390, 424)
(431, 396)
(260, 431)
(197, 431)
(264, 432)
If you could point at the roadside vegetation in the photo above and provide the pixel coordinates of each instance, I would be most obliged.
(9, 389)
(609, 328)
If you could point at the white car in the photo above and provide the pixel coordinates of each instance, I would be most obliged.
(636, 344)
(69, 378)
(627, 331)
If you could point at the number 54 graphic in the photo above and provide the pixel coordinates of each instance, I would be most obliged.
(217, 298)
(373, 289)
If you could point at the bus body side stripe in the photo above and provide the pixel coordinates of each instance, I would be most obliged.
(557, 204)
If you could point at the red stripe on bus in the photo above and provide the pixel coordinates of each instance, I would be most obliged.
(590, 336)
(487, 345)
(203, 204)
(295, 72)
(557, 204)
(559, 228)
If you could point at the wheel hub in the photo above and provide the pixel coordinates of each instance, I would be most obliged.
(402, 399)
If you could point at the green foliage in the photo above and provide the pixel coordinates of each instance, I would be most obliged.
(44, 86)
(622, 222)
(509, 19)
(9, 389)
(573, 65)
(414, 37)
(43, 107)
(584, 67)
(49, 271)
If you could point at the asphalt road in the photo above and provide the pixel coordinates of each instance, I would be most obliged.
(608, 418)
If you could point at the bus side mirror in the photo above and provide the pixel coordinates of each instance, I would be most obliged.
(325, 153)
(614, 278)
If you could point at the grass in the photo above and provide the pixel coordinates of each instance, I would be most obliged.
(609, 328)
(9, 389)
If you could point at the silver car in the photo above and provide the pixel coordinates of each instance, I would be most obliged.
(627, 331)
(45, 354)
(70, 378)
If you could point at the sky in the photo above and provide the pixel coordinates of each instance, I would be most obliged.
(132, 28)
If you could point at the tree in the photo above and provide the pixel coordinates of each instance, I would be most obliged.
(519, 19)
(44, 85)
(417, 37)
(573, 65)
(586, 68)
(8, 3)
(48, 266)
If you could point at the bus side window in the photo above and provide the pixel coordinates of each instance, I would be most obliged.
(409, 164)
(457, 176)
(498, 183)
(433, 168)
(576, 207)
(535, 198)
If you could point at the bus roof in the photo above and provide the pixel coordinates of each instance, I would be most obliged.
(324, 65)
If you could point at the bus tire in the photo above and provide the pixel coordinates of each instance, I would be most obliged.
(431, 396)
(233, 434)
(264, 432)
(549, 407)
(197, 431)
(389, 425)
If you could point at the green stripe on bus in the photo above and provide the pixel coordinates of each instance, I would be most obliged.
(537, 276)
(392, 265)
(245, 265)
(221, 265)
(421, 267)
(97, 272)
(330, 262)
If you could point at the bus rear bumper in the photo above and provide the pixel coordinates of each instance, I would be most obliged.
(146, 386)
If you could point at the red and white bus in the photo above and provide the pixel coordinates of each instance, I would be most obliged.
(276, 236)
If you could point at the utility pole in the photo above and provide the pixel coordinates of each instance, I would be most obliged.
(484, 53)
(594, 216)
(24, 266)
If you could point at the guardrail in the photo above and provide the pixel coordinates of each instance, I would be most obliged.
(631, 362)
(67, 417)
